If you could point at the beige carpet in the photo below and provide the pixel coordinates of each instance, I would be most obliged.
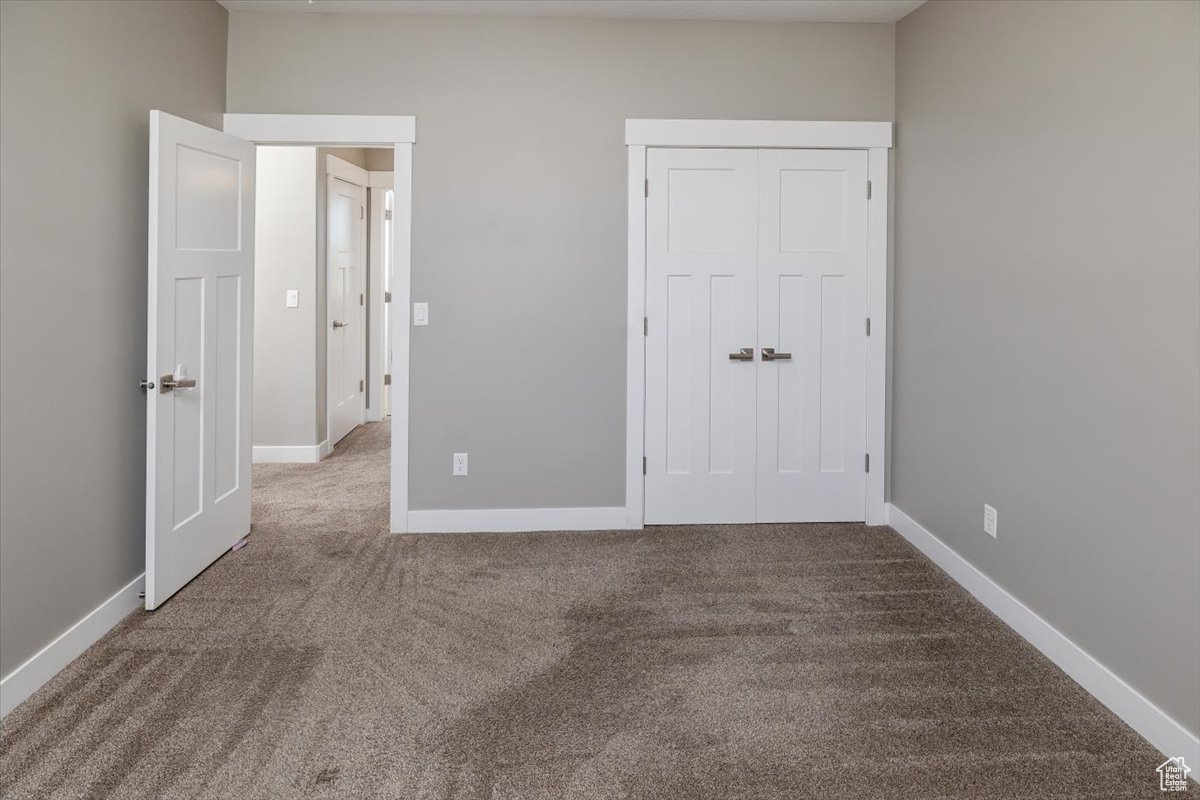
(328, 659)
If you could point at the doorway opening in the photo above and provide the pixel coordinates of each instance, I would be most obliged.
(322, 287)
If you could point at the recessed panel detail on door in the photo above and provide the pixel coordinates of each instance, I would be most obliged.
(188, 411)
(792, 408)
(227, 377)
(208, 205)
(700, 214)
(811, 208)
(680, 347)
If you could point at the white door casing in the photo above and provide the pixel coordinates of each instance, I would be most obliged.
(345, 226)
(812, 306)
(701, 237)
(200, 329)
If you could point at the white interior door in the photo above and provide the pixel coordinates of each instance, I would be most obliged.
(701, 236)
(812, 309)
(347, 334)
(200, 335)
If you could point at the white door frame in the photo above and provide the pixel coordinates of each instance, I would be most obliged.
(400, 133)
(876, 139)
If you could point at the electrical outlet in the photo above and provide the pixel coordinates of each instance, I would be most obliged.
(989, 520)
(459, 465)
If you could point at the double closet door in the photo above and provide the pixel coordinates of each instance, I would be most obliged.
(756, 340)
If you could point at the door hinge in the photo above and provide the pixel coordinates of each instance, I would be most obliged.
(867, 462)
(645, 326)
(361, 212)
(360, 299)
(868, 190)
(643, 465)
(360, 385)
(647, 187)
(387, 213)
(387, 379)
(387, 297)
(868, 326)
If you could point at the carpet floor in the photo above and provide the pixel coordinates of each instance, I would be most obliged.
(329, 659)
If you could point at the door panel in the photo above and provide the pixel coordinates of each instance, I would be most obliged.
(344, 263)
(201, 225)
(700, 296)
(812, 268)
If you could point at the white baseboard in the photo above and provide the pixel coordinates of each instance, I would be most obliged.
(290, 454)
(517, 519)
(1122, 699)
(50, 660)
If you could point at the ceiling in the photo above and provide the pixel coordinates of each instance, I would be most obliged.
(761, 10)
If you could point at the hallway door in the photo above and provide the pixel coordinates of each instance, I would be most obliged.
(346, 364)
(199, 336)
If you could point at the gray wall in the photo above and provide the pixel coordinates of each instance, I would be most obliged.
(519, 193)
(285, 257)
(1047, 342)
(77, 82)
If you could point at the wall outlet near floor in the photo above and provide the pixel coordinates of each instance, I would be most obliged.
(989, 520)
(459, 464)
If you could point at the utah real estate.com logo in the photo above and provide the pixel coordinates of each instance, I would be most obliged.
(1172, 775)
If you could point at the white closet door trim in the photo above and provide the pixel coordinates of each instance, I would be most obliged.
(876, 137)
(757, 133)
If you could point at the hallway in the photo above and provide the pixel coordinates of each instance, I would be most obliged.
(330, 659)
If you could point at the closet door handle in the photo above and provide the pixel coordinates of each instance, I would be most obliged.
(746, 354)
(769, 354)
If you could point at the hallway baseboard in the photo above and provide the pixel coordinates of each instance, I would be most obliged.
(478, 520)
(50, 660)
(290, 454)
(1151, 722)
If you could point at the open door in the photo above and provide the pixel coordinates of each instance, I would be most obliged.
(199, 340)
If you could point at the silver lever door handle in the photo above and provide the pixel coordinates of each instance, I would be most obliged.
(337, 324)
(168, 382)
(746, 354)
(769, 354)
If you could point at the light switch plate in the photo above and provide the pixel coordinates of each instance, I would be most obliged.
(420, 314)
(293, 298)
